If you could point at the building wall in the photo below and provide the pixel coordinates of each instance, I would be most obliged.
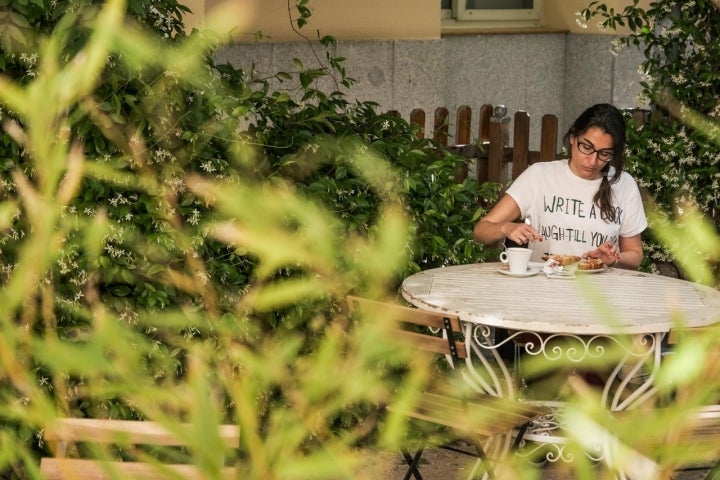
(343, 19)
(560, 14)
(558, 73)
(402, 59)
(369, 19)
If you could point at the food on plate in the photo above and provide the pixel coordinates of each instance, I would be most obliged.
(590, 264)
(565, 260)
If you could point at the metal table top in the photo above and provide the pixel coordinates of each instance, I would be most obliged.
(612, 301)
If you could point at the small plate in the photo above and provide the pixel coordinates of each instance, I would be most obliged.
(529, 273)
(596, 270)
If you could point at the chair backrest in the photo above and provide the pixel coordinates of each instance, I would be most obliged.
(405, 318)
(712, 359)
(125, 433)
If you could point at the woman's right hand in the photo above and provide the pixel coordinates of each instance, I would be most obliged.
(520, 233)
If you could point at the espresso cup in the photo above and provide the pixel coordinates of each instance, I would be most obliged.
(517, 259)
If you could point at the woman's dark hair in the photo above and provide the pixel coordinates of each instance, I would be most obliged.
(609, 119)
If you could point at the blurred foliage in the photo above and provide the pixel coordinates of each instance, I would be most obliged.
(674, 156)
(178, 236)
(143, 121)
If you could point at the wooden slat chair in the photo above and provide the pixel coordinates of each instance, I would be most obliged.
(469, 419)
(124, 434)
(678, 439)
(696, 434)
(712, 360)
(705, 433)
(705, 424)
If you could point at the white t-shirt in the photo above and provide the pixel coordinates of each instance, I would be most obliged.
(560, 206)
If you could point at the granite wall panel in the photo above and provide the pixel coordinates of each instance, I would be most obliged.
(555, 73)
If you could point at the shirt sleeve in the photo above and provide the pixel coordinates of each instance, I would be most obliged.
(524, 189)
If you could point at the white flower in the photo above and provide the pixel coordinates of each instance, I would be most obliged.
(194, 218)
(616, 46)
(580, 20)
(207, 166)
(203, 277)
(678, 79)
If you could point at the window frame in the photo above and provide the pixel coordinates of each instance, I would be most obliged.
(461, 17)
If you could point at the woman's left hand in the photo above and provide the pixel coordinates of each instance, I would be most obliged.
(608, 252)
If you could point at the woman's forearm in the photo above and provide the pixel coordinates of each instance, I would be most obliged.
(629, 259)
(487, 233)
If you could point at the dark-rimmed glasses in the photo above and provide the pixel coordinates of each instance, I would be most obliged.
(588, 149)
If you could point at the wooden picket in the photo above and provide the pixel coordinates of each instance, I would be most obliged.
(489, 148)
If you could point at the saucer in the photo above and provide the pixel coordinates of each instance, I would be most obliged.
(596, 270)
(529, 273)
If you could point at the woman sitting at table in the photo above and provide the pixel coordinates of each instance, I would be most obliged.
(585, 206)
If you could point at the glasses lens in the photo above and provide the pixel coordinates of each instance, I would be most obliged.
(585, 149)
(605, 156)
(602, 155)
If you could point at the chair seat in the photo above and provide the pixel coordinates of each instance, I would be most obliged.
(486, 417)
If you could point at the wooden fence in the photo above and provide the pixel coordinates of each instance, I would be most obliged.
(494, 158)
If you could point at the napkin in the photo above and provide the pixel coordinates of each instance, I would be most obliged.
(553, 267)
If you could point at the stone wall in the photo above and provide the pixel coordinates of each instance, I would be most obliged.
(559, 73)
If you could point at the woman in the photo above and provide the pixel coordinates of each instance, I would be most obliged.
(585, 205)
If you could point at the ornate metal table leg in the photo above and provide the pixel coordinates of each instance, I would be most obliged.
(632, 381)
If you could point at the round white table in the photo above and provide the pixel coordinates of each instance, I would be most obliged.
(609, 302)
(575, 319)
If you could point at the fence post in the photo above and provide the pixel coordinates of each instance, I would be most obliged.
(521, 143)
(499, 123)
(462, 137)
(548, 138)
(486, 111)
(462, 131)
(440, 127)
(417, 117)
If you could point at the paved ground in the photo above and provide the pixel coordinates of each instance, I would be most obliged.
(442, 464)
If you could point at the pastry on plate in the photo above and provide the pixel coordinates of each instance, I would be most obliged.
(565, 260)
(590, 264)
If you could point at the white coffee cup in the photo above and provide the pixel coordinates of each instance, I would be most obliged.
(516, 258)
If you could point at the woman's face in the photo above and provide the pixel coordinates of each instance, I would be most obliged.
(590, 152)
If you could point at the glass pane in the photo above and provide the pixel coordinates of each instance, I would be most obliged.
(445, 4)
(498, 4)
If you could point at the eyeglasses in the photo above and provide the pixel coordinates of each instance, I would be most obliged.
(588, 149)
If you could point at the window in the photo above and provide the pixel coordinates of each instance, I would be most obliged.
(491, 13)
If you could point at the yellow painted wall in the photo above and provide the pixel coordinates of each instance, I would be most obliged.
(344, 19)
(198, 13)
(370, 19)
(560, 14)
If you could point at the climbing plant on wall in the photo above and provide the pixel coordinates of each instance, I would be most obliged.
(675, 153)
